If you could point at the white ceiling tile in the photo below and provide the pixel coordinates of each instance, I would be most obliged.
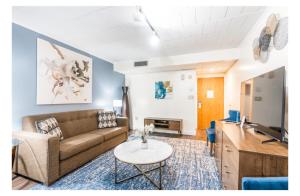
(234, 11)
(119, 33)
(188, 15)
(203, 14)
(218, 13)
(251, 9)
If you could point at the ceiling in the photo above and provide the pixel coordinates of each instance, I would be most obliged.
(120, 33)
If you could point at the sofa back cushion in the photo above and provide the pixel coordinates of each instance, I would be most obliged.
(71, 123)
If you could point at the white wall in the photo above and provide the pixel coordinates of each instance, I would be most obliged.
(182, 105)
(177, 62)
(247, 67)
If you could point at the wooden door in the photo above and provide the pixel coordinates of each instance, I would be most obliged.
(210, 102)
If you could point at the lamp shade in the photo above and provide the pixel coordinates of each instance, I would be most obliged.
(117, 103)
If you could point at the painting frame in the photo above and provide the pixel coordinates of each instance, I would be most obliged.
(63, 75)
(163, 90)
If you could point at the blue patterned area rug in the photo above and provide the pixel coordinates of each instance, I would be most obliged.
(189, 168)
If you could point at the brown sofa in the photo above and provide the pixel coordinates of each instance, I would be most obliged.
(44, 158)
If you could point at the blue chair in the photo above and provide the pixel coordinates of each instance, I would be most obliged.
(234, 116)
(211, 135)
(265, 183)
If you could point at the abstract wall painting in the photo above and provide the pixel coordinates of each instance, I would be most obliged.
(63, 76)
(163, 90)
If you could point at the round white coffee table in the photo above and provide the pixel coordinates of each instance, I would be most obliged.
(131, 152)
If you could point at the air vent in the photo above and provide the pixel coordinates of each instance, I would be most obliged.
(140, 63)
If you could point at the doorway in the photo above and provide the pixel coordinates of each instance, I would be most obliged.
(210, 103)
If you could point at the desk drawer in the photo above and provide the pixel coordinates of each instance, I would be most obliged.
(230, 154)
(229, 177)
(230, 164)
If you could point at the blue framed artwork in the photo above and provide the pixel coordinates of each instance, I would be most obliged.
(163, 90)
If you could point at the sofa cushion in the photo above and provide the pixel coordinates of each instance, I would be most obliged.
(106, 119)
(76, 144)
(49, 126)
(109, 133)
(71, 123)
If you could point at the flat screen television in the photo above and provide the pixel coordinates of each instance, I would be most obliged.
(264, 103)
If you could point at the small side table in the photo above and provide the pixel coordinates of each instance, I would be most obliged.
(15, 151)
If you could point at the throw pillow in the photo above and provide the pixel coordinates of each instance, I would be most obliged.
(107, 119)
(49, 126)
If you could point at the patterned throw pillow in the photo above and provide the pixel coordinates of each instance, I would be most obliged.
(107, 119)
(49, 126)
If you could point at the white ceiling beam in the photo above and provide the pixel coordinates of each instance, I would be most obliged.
(173, 61)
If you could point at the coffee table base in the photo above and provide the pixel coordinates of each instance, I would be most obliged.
(144, 173)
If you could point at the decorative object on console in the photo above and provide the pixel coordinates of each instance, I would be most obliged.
(117, 104)
(243, 121)
(125, 104)
(163, 90)
(276, 29)
(49, 126)
(63, 76)
(107, 119)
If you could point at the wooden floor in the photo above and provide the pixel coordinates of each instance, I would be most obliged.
(201, 134)
(22, 183)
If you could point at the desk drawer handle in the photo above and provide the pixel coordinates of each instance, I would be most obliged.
(228, 150)
(228, 172)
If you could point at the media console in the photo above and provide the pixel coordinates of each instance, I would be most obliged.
(240, 153)
(172, 124)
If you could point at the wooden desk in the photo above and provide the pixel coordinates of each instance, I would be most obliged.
(240, 153)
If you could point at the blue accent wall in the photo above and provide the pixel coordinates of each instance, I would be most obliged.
(106, 82)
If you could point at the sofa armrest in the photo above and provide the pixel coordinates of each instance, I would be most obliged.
(38, 156)
(122, 121)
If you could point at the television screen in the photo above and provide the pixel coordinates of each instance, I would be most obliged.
(263, 102)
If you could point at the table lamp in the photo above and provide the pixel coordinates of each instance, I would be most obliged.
(116, 105)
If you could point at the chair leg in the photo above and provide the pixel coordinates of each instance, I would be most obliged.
(206, 141)
(211, 146)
